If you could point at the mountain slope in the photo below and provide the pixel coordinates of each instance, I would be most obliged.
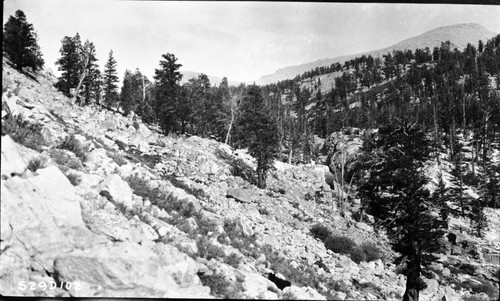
(459, 35)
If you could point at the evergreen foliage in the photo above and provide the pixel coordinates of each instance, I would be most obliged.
(110, 81)
(69, 63)
(20, 43)
(167, 94)
(395, 194)
(258, 132)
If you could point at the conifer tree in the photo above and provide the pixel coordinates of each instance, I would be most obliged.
(168, 94)
(20, 42)
(69, 63)
(110, 79)
(92, 75)
(395, 194)
(258, 132)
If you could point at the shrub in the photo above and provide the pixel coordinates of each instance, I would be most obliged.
(233, 260)
(371, 251)
(23, 132)
(141, 187)
(206, 249)
(63, 159)
(220, 287)
(357, 255)
(72, 144)
(320, 231)
(340, 244)
(468, 268)
(476, 288)
(37, 163)
(74, 179)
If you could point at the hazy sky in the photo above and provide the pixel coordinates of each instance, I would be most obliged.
(240, 40)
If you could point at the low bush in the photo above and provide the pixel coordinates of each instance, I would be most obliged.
(207, 250)
(320, 231)
(467, 268)
(233, 260)
(65, 160)
(74, 179)
(72, 144)
(23, 132)
(371, 251)
(340, 244)
(477, 288)
(221, 288)
(37, 163)
(141, 187)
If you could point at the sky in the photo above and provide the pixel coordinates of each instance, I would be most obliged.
(240, 40)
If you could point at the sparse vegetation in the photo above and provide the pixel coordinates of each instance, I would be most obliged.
(23, 132)
(65, 160)
(37, 163)
(221, 287)
(74, 178)
(72, 144)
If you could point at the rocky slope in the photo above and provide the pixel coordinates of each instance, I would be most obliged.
(459, 35)
(102, 206)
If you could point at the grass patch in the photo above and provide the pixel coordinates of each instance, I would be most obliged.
(23, 132)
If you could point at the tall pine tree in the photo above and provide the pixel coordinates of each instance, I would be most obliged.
(69, 64)
(110, 79)
(20, 42)
(395, 194)
(167, 94)
(258, 132)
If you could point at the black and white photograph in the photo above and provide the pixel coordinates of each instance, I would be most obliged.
(250, 150)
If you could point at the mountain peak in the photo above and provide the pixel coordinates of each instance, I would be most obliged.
(458, 34)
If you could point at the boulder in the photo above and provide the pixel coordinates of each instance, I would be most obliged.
(40, 219)
(302, 293)
(12, 161)
(131, 270)
(364, 227)
(241, 195)
(244, 226)
(116, 190)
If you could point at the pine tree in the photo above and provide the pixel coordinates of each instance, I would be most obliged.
(69, 64)
(20, 43)
(258, 132)
(168, 94)
(395, 194)
(91, 82)
(110, 80)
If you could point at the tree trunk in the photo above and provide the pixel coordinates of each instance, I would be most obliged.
(412, 281)
(230, 126)
(261, 178)
(84, 74)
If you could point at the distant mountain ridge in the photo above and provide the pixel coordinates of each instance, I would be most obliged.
(459, 35)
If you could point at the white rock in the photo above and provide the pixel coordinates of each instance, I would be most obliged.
(116, 190)
(12, 161)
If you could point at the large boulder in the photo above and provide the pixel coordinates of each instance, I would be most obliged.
(131, 270)
(302, 293)
(12, 161)
(40, 219)
(241, 195)
(116, 190)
